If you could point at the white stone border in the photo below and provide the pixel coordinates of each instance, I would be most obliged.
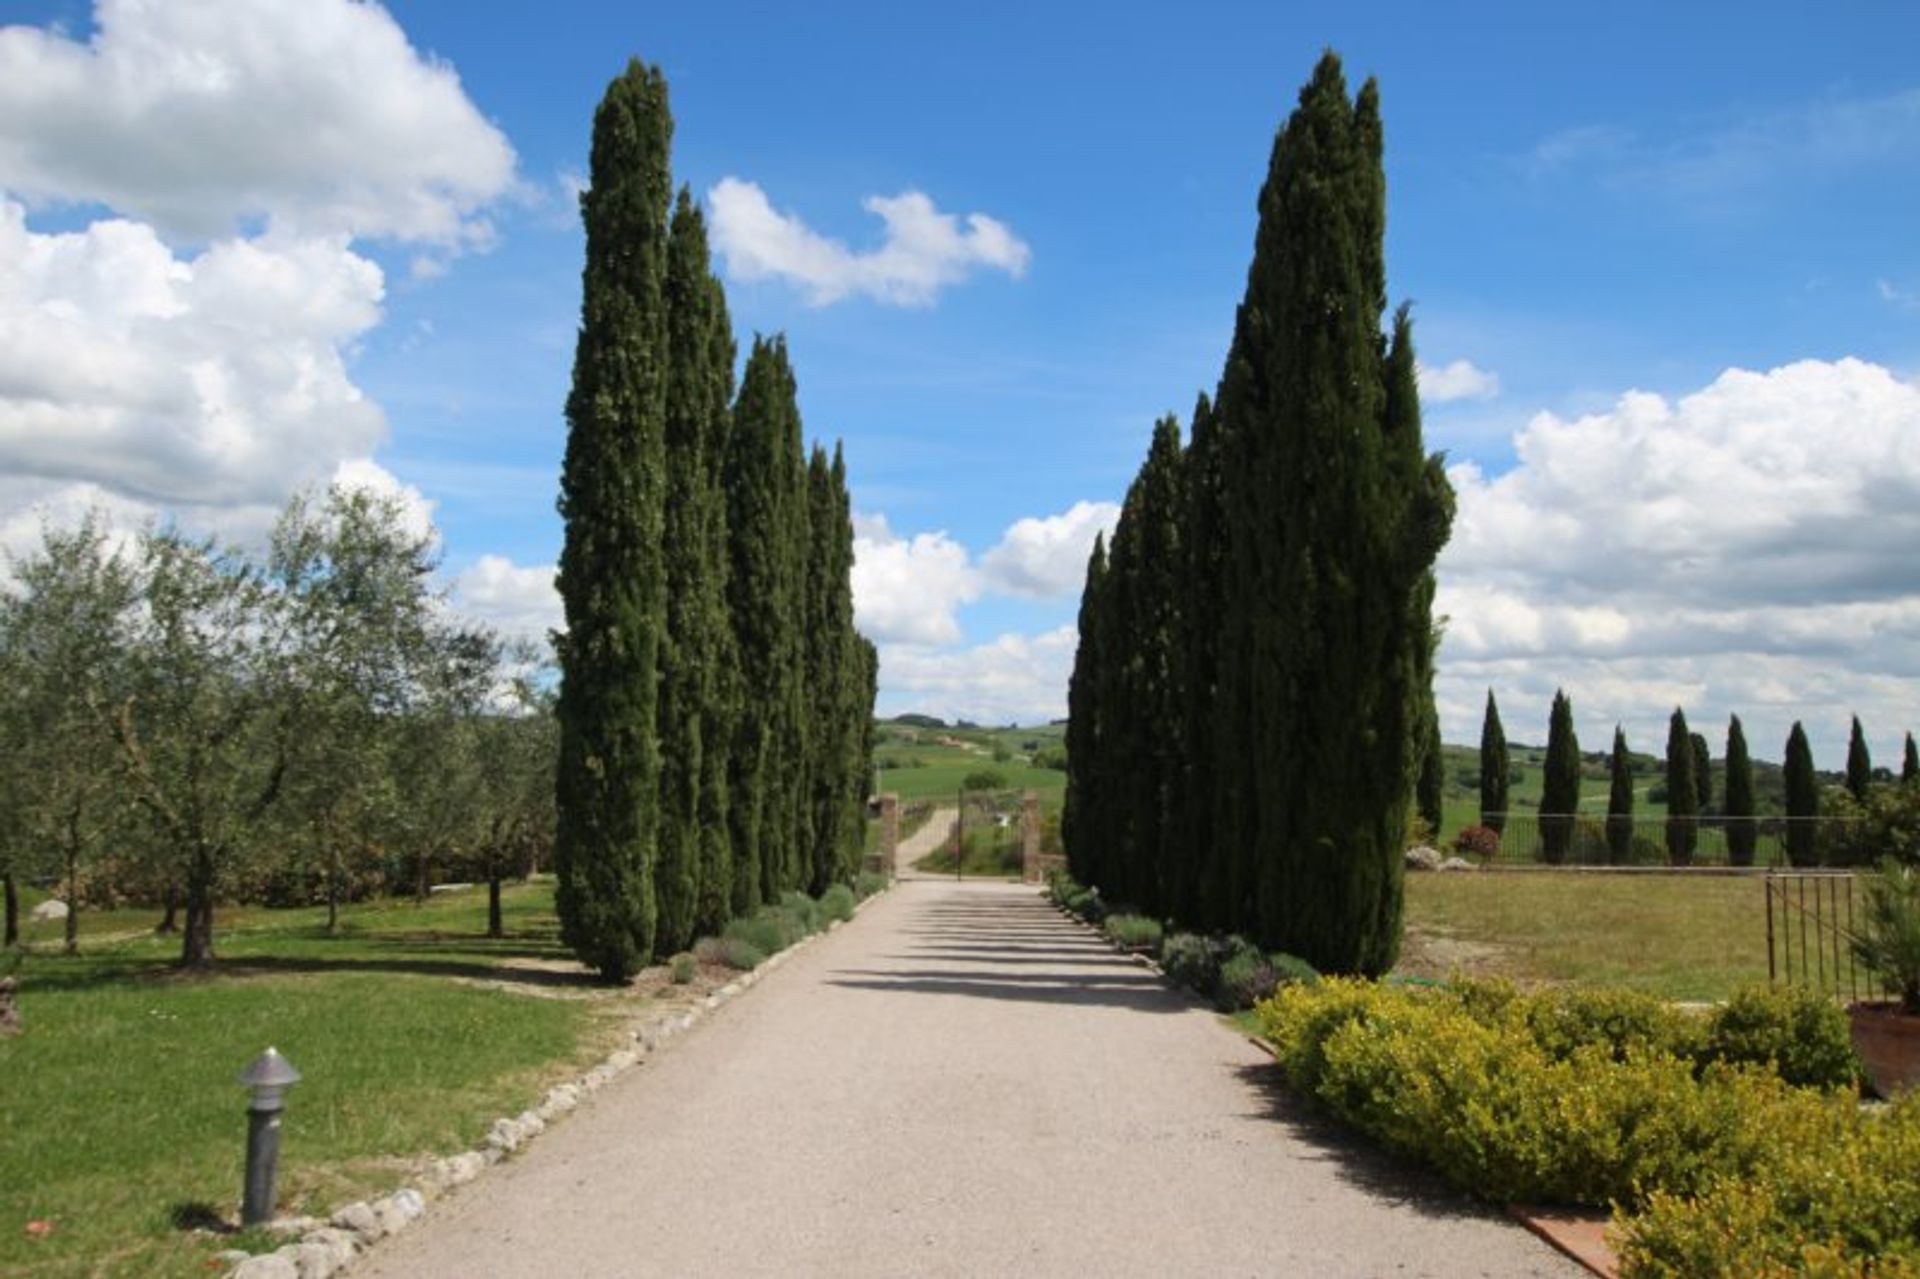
(322, 1249)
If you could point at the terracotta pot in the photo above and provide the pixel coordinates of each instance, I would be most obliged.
(1888, 1042)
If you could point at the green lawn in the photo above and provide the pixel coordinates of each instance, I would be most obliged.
(413, 1031)
(1679, 937)
(941, 770)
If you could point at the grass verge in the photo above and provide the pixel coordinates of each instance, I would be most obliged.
(1680, 937)
(120, 1116)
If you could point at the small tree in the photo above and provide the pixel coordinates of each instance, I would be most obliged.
(1493, 768)
(1430, 793)
(1620, 802)
(1910, 763)
(63, 638)
(1683, 796)
(1859, 762)
(1702, 773)
(1560, 787)
(1803, 799)
(1738, 805)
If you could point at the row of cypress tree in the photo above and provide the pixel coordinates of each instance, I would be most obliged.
(1251, 698)
(715, 700)
(1689, 786)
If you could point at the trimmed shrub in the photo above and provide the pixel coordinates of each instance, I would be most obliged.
(837, 903)
(867, 883)
(1193, 961)
(1620, 1022)
(804, 913)
(1838, 1195)
(684, 965)
(1488, 1107)
(738, 952)
(1246, 978)
(1132, 931)
(1291, 968)
(766, 931)
(1482, 842)
(1796, 1033)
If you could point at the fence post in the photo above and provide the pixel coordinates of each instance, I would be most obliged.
(1030, 837)
(889, 834)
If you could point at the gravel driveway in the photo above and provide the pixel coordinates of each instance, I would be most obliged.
(960, 1082)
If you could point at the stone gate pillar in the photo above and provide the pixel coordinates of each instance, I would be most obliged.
(889, 833)
(1030, 837)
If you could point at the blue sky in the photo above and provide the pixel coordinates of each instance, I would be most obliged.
(1581, 208)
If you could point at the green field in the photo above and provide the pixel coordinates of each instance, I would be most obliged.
(120, 1116)
(933, 763)
(1688, 937)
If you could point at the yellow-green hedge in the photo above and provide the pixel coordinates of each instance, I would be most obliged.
(1715, 1164)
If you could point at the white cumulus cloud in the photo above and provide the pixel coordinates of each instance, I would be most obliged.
(195, 116)
(1045, 557)
(1460, 380)
(216, 378)
(924, 250)
(517, 600)
(1743, 549)
(1012, 678)
(908, 590)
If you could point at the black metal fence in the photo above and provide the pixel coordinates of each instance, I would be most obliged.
(1810, 933)
(1528, 839)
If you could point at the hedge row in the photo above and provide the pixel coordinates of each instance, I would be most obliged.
(1231, 971)
(1714, 1163)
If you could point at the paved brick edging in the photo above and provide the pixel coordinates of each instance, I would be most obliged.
(322, 1249)
(1581, 1236)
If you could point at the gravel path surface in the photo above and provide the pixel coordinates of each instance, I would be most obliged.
(938, 826)
(960, 1082)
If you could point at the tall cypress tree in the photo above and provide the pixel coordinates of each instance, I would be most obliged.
(687, 650)
(1493, 768)
(1334, 515)
(831, 672)
(1910, 763)
(1859, 762)
(721, 691)
(1208, 801)
(1145, 589)
(754, 460)
(1683, 796)
(1620, 802)
(1803, 799)
(1078, 817)
(1560, 783)
(1702, 773)
(1737, 803)
(612, 495)
(789, 833)
(1430, 793)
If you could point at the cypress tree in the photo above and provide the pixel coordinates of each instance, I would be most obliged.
(831, 672)
(1493, 768)
(754, 490)
(790, 832)
(1620, 802)
(1208, 801)
(1910, 763)
(612, 494)
(1560, 783)
(1333, 517)
(692, 609)
(1144, 580)
(857, 687)
(1803, 799)
(1859, 763)
(720, 693)
(1430, 794)
(1683, 796)
(1737, 803)
(1084, 717)
(1702, 773)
